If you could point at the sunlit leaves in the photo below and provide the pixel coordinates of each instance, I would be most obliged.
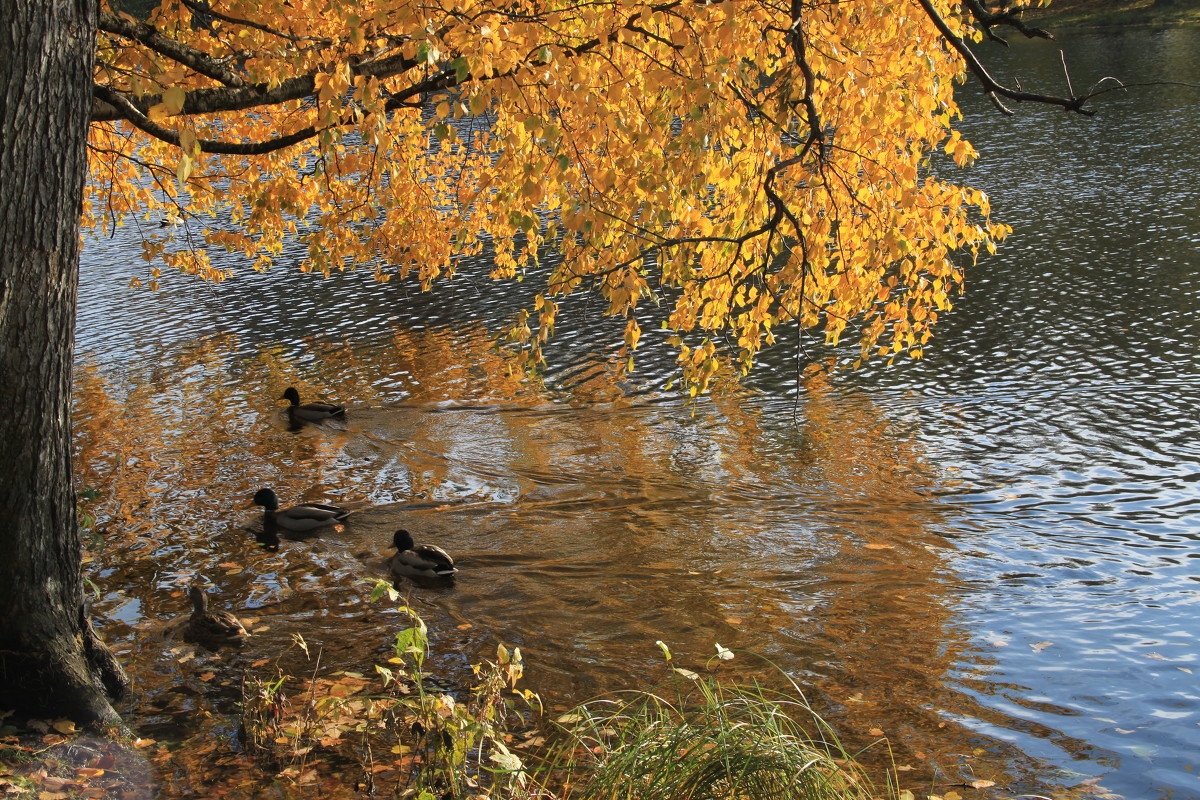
(666, 156)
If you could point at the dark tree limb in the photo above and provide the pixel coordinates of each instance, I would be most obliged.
(143, 123)
(990, 85)
(990, 19)
(191, 58)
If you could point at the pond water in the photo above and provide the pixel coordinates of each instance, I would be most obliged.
(989, 555)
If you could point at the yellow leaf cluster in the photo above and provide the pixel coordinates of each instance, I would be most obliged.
(744, 168)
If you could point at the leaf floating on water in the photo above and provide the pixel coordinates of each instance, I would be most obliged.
(1040, 646)
(981, 784)
(733, 620)
(874, 546)
(875, 732)
(466, 626)
(724, 653)
(1157, 657)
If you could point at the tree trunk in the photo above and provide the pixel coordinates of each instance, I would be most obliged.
(51, 662)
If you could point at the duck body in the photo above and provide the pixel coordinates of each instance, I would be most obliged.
(419, 560)
(210, 628)
(302, 518)
(310, 412)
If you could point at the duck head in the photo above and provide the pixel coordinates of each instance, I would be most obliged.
(267, 499)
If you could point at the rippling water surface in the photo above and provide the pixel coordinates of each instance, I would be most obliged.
(990, 554)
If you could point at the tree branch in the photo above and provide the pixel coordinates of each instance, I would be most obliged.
(989, 19)
(164, 45)
(143, 123)
(990, 85)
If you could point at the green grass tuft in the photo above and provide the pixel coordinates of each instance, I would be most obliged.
(710, 741)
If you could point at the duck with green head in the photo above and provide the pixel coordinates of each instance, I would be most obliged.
(316, 411)
(419, 560)
(301, 518)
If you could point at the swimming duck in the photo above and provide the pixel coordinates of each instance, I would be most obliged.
(212, 629)
(302, 518)
(310, 412)
(419, 560)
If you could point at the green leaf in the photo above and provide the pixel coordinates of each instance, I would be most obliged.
(462, 70)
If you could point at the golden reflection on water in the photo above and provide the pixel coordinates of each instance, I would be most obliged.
(585, 530)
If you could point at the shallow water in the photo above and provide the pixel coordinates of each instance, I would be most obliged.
(988, 554)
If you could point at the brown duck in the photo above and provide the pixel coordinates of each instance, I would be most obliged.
(212, 629)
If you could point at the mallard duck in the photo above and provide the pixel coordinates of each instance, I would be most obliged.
(419, 560)
(310, 412)
(302, 518)
(212, 629)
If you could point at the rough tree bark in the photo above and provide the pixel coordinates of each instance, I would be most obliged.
(51, 662)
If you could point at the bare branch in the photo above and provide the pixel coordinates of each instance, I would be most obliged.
(988, 20)
(990, 84)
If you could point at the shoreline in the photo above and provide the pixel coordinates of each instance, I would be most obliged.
(1078, 15)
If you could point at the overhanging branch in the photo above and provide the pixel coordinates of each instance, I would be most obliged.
(990, 85)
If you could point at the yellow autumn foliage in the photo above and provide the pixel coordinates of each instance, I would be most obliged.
(747, 164)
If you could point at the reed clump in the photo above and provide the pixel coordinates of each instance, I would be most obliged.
(702, 737)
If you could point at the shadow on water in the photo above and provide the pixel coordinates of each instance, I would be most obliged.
(988, 555)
